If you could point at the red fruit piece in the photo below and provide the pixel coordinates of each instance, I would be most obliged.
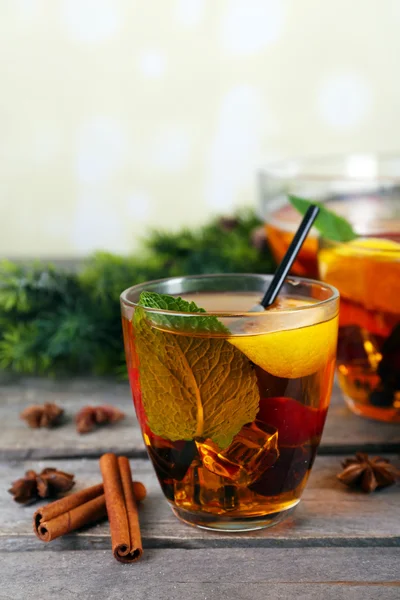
(296, 423)
(287, 473)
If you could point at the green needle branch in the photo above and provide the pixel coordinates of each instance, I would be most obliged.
(56, 322)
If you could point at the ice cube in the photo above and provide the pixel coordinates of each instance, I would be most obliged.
(253, 450)
(204, 490)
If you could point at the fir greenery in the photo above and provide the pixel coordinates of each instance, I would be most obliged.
(54, 321)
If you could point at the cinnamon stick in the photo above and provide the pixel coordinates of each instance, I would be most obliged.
(75, 511)
(121, 508)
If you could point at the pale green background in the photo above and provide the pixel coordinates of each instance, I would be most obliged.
(119, 115)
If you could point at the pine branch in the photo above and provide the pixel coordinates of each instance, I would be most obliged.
(25, 289)
(19, 350)
(104, 275)
(224, 245)
(52, 321)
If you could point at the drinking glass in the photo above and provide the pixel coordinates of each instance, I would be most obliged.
(365, 190)
(367, 273)
(231, 403)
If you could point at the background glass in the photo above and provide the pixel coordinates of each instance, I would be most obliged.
(368, 356)
(365, 190)
(270, 382)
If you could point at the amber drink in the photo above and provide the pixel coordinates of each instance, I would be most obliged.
(231, 403)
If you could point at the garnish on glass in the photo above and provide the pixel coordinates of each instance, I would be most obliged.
(175, 369)
(330, 225)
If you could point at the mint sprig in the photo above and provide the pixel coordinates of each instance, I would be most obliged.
(330, 225)
(187, 324)
(193, 387)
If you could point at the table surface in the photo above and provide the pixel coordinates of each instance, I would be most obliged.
(337, 544)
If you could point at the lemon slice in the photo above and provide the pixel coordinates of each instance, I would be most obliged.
(376, 247)
(292, 353)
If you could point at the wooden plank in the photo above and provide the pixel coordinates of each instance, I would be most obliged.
(248, 574)
(18, 441)
(329, 514)
(344, 432)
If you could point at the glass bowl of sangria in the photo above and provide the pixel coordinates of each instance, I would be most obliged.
(365, 190)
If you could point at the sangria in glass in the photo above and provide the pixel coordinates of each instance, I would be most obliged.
(231, 403)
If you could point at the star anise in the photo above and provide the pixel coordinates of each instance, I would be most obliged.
(49, 483)
(42, 415)
(368, 473)
(228, 223)
(91, 416)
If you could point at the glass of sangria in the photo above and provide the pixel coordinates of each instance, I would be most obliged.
(231, 403)
(367, 272)
(365, 189)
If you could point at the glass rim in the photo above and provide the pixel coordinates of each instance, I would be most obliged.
(275, 169)
(290, 310)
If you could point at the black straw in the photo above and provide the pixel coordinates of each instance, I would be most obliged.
(291, 254)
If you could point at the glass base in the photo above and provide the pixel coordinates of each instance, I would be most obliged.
(387, 415)
(231, 524)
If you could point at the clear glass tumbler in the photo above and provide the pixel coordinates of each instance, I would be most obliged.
(231, 403)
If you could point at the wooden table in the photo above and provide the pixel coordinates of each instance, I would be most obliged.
(337, 544)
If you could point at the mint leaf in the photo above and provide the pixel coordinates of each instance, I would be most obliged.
(200, 324)
(330, 225)
(192, 387)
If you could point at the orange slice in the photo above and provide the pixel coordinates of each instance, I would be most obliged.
(366, 271)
